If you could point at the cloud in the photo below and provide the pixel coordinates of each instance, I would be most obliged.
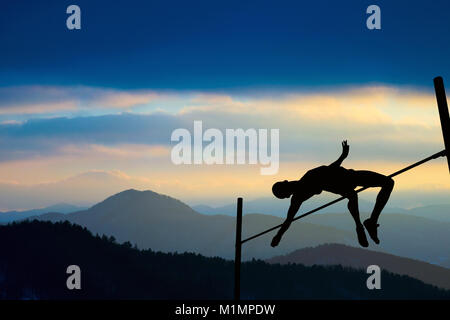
(38, 108)
(84, 189)
(379, 122)
(209, 184)
(31, 100)
(387, 129)
(125, 151)
(123, 99)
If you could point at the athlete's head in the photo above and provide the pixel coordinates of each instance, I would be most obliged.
(282, 189)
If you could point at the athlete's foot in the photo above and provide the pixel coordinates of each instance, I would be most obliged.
(275, 241)
(362, 239)
(371, 228)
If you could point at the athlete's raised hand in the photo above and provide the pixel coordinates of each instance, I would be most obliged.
(345, 148)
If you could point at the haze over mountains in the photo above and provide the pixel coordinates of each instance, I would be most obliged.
(401, 234)
(279, 208)
(156, 221)
(10, 216)
(72, 190)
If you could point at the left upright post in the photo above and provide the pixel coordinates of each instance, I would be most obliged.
(237, 257)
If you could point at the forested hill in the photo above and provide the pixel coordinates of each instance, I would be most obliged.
(34, 257)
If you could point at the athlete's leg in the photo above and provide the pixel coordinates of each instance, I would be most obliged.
(353, 207)
(373, 179)
(286, 224)
(382, 198)
(354, 211)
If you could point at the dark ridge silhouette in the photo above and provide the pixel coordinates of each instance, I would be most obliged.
(339, 254)
(34, 256)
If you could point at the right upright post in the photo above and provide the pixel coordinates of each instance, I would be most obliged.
(443, 114)
(237, 257)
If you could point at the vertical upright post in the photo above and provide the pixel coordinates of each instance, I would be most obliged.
(237, 257)
(443, 114)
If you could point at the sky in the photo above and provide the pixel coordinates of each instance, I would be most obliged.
(87, 113)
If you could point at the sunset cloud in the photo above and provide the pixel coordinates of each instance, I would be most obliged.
(43, 100)
(42, 108)
(387, 129)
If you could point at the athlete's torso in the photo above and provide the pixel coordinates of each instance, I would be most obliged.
(328, 178)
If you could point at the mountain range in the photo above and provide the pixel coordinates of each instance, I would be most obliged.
(279, 208)
(118, 271)
(338, 254)
(10, 216)
(159, 222)
(152, 220)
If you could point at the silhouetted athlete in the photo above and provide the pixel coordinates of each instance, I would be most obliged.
(336, 179)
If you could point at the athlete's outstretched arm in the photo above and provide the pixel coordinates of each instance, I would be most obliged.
(345, 150)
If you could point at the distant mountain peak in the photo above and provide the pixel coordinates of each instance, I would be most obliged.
(139, 203)
(134, 192)
(136, 195)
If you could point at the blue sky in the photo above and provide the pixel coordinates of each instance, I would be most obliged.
(87, 113)
(217, 45)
